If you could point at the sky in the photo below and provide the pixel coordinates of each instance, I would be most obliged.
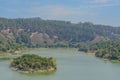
(106, 12)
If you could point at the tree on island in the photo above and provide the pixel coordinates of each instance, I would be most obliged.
(29, 63)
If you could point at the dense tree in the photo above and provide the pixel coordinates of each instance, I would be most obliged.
(106, 49)
(33, 63)
(35, 32)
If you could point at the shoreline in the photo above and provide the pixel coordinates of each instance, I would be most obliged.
(33, 71)
(104, 59)
(37, 64)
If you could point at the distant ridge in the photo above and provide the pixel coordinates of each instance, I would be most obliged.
(36, 32)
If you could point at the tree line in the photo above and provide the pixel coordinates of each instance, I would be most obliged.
(106, 49)
(54, 33)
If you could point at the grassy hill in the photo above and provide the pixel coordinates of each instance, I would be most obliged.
(36, 32)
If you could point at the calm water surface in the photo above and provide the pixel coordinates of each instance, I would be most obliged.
(72, 65)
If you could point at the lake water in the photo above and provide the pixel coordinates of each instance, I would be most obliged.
(72, 65)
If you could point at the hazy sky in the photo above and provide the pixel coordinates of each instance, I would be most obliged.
(96, 11)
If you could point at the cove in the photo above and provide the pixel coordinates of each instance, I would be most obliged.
(72, 65)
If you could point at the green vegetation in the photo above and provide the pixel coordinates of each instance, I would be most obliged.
(15, 34)
(10, 47)
(83, 48)
(107, 50)
(5, 56)
(29, 63)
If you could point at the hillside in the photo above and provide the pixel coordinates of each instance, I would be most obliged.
(36, 32)
(106, 49)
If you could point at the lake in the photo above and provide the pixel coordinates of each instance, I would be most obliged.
(72, 65)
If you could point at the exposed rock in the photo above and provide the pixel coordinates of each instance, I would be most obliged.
(41, 38)
(98, 39)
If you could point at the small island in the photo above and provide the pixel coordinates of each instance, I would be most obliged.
(31, 63)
